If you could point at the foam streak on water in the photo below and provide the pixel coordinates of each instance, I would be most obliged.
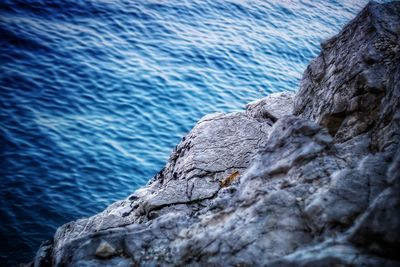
(95, 94)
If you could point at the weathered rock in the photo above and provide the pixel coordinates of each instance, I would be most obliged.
(268, 188)
(219, 146)
(378, 228)
(105, 250)
(271, 107)
(43, 255)
(352, 87)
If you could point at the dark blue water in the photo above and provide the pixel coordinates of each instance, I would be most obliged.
(95, 94)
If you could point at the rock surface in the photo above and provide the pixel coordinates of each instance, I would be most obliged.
(305, 180)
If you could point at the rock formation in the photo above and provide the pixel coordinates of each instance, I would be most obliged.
(305, 180)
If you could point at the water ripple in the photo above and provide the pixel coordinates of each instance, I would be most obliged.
(95, 94)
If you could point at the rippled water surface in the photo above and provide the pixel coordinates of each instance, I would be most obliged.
(95, 94)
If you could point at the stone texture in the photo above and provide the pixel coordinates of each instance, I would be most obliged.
(271, 107)
(104, 250)
(264, 187)
(352, 86)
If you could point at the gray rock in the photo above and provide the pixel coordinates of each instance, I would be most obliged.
(105, 250)
(265, 187)
(352, 87)
(378, 228)
(271, 107)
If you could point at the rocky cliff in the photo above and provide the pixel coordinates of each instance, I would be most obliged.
(305, 180)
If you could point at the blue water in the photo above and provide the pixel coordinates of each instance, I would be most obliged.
(95, 94)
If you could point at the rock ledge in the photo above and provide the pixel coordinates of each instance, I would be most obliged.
(305, 180)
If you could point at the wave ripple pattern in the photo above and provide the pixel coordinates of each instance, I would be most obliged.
(95, 94)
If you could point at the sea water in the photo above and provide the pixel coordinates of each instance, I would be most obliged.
(94, 95)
